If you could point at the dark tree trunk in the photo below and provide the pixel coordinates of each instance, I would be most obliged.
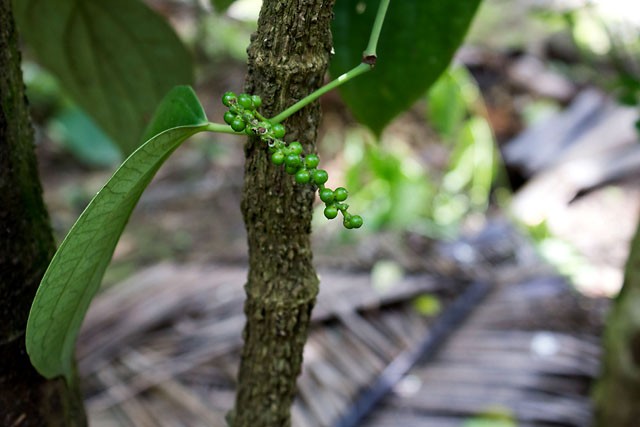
(617, 393)
(26, 246)
(288, 58)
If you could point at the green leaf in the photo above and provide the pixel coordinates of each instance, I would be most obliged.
(115, 58)
(417, 43)
(75, 130)
(447, 105)
(221, 5)
(75, 273)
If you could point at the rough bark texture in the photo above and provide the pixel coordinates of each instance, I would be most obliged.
(617, 393)
(288, 58)
(26, 246)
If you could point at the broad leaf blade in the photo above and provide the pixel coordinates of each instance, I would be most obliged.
(417, 43)
(75, 273)
(115, 58)
(221, 5)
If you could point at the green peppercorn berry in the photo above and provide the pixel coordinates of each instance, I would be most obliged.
(293, 160)
(238, 124)
(303, 176)
(341, 194)
(249, 131)
(229, 98)
(228, 117)
(355, 221)
(320, 176)
(291, 170)
(257, 101)
(278, 131)
(330, 212)
(277, 158)
(245, 101)
(295, 147)
(326, 195)
(311, 161)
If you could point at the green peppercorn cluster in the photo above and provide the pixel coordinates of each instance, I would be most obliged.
(243, 116)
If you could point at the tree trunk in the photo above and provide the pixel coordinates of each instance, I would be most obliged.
(26, 246)
(288, 58)
(617, 393)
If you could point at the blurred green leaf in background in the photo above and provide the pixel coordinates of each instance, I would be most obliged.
(115, 59)
(398, 191)
(417, 42)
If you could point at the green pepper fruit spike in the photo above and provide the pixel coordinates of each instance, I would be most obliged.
(277, 158)
(257, 101)
(238, 124)
(330, 212)
(303, 176)
(326, 195)
(293, 160)
(228, 117)
(312, 161)
(295, 147)
(245, 101)
(229, 98)
(340, 194)
(356, 221)
(320, 176)
(278, 131)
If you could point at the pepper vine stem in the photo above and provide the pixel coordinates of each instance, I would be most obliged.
(354, 72)
(221, 128)
(376, 29)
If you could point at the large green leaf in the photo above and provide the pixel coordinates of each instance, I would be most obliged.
(115, 58)
(75, 273)
(221, 5)
(417, 43)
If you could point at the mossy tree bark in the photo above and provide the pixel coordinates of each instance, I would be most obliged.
(617, 393)
(288, 58)
(26, 246)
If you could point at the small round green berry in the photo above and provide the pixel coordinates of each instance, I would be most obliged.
(277, 158)
(245, 101)
(341, 194)
(330, 212)
(291, 170)
(229, 98)
(355, 221)
(228, 117)
(257, 101)
(311, 161)
(249, 131)
(320, 176)
(238, 124)
(295, 147)
(303, 176)
(278, 131)
(326, 195)
(293, 160)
